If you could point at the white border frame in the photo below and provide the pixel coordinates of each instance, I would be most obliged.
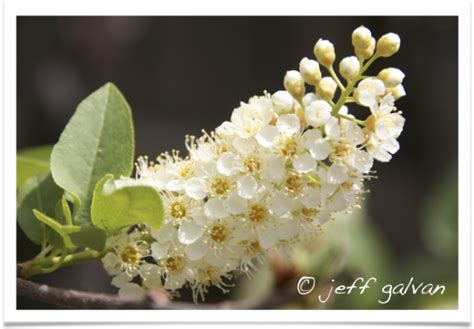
(244, 7)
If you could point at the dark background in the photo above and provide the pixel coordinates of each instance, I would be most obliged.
(184, 74)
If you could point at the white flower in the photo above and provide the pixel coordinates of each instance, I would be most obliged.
(283, 102)
(384, 127)
(368, 90)
(249, 118)
(128, 251)
(384, 122)
(318, 113)
(176, 268)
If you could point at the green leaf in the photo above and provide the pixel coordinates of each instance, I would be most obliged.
(99, 139)
(90, 237)
(32, 161)
(39, 192)
(55, 226)
(66, 211)
(114, 208)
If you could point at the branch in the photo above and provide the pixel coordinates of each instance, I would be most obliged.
(74, 299)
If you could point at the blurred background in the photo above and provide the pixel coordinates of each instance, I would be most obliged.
(184, 74)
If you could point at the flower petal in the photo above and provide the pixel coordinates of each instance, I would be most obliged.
(288, 124)
(304, 163)
(189, 232)
(247, 187)
(267, 135)
(196, 250)
(215, 209)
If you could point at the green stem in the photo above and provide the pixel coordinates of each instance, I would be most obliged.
(350, 86)
(44, 265)
(336, 78)
(360, 122)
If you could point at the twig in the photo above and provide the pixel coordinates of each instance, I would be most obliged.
(73, 299)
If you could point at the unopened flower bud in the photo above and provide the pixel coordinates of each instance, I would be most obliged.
(349, 67)
(368, 52)
(397, 91)
(324, 52)
(361, 38)
(391, 77)
(294, 84)
(282, 102)
(327, 88)
(388, 44)
(310, 71)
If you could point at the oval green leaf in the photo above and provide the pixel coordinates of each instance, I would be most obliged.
(99, 139)
(90, 237)
(39, 192)
(32, 161)
(114, 208)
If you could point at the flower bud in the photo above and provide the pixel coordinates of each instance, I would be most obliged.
(397, 91)
(327, 88)
(391, 77)
(324, 52)
(349, 67)
(282, 102)
(388, 44)
(310, 71)
(368, 52)
(361, 38)
(294, 84)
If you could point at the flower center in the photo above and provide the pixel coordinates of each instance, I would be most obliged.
(177, 209)
(292, 183)
(254, 248)
(220, 186)
(289, 147)
(130, 255)
(370, 123)
(341, 150)
(258, 213)
(252, 165)
(185, 169)
(219, 233)
(308, 213)
(174, 264)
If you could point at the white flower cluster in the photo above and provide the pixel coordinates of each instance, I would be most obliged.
(267, 178)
